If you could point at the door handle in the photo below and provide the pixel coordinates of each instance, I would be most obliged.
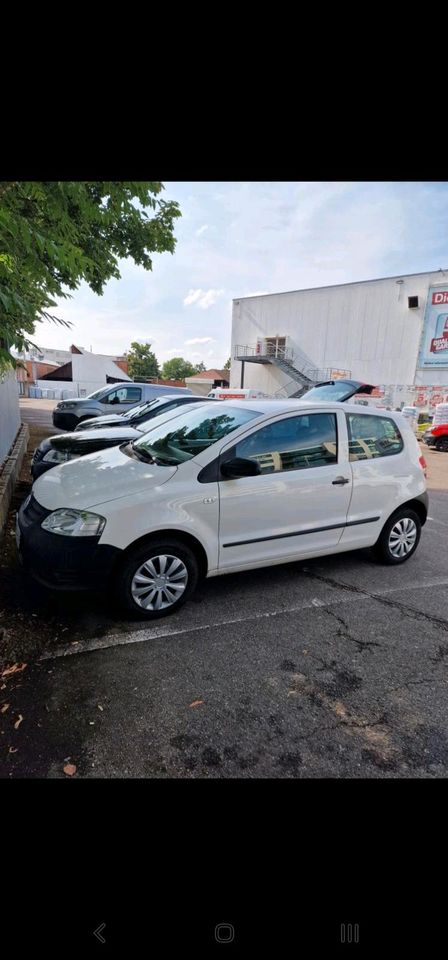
(339, 482)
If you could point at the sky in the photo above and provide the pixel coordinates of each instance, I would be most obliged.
(237, 239)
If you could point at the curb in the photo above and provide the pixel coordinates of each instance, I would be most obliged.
(11, 470)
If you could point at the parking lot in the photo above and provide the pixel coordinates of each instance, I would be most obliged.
(332, 668)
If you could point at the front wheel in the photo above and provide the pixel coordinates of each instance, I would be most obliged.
(157, 579)
(399, 537)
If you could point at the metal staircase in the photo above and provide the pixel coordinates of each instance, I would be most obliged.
(295, 363)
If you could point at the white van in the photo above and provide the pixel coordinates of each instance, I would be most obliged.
(409, 412)
(233, 393)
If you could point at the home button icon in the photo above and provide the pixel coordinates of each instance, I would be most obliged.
(224, 933)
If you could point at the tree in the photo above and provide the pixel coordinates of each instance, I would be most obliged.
(142, 362)
(177, 369)
(200, 367)
(55, 234)
(227, 364)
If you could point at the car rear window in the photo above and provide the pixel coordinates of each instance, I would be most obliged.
(370, 437)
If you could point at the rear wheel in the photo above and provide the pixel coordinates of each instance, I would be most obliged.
(399, 537)
(157, 579)
(442, 444)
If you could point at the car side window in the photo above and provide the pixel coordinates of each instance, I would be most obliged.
(371, 436)
(294, 443)
(124, 395)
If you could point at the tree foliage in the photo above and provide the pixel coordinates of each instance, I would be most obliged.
(177, 369)
(227, 364)
(142, 362)
(55, 234)
(200, 367)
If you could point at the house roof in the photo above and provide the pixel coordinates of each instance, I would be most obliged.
(210, 375)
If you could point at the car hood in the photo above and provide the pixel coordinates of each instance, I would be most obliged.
(97, 423)
(88, 441)
(97, 478)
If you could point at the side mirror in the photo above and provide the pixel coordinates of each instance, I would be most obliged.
(239, 467)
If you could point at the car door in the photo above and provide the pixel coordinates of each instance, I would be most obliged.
(298, 503)
(121, 399)
(383, 475)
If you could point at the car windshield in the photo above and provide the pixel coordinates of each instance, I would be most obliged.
(98, 394)
(191, 433)
(141, 409)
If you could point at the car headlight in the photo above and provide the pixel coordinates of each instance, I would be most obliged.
(59, 456)
(66, 406)
(74, 523)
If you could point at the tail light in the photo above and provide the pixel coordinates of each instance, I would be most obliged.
(423, 464)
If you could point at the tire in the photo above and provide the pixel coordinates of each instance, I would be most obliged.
(442, 444)
(405, 523)
(81, 420)
(130, 582)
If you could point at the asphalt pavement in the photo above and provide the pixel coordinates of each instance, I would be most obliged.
(332, 668)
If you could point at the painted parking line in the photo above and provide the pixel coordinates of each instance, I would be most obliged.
(143, 635)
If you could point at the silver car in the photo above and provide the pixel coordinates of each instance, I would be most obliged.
(115, 398)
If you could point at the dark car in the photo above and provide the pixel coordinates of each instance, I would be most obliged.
(437, 437)
(139, 414)
(69, 446)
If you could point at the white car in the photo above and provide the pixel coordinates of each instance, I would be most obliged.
(224, 488)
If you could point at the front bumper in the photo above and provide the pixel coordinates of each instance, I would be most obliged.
(64, 419)
(62, 563)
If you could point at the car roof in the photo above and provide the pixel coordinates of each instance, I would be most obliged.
(292, 405)
(177, 396)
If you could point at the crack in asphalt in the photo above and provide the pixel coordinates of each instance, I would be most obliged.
(346, 634)
(407, 609)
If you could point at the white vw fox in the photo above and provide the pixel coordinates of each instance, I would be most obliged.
(227, 487)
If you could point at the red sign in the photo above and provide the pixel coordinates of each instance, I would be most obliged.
(440, 297)
(438, 344)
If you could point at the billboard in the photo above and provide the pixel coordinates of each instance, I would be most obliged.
(434, 344)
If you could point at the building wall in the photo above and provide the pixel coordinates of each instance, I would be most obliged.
(9, 413)
(365, 327)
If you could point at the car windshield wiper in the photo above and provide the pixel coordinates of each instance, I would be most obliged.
(142, 454)
(161, 462)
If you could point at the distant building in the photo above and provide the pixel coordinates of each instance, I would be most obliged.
(392, 331)
(202, 383)
(69, 373)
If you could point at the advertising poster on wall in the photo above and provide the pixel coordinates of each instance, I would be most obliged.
(434, 345)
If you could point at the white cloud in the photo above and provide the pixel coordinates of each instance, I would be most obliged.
(194, 340)
(203, 298)
(202, 230)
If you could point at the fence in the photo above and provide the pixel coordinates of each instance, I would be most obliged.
(9, 413)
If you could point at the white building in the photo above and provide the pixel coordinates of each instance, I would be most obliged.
(392, 332)
(81, 374)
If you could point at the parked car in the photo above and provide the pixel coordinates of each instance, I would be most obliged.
(115, 398)
(224, 488)
(139, 414)
(437, 437)
(69, 446)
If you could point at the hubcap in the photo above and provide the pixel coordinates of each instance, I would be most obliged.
(402, 537)
(159, 582)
